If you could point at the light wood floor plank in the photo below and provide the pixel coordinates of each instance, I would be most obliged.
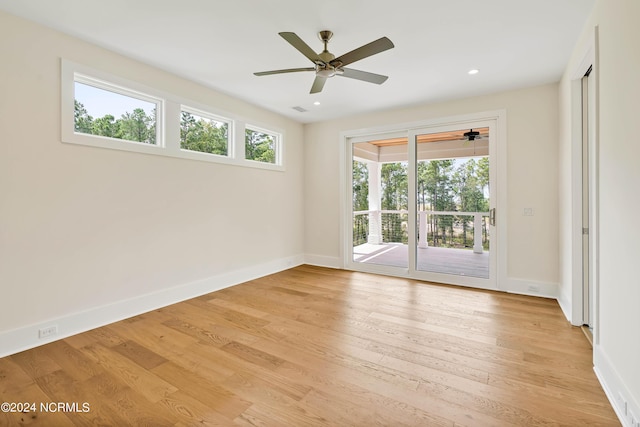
(312, 346)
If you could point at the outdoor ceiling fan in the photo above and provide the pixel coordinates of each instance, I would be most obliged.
(472, 135)
(326, 65)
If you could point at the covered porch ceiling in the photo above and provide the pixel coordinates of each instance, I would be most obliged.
(456, 135)
(430, 146)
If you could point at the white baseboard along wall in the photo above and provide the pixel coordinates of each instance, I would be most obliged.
(27, 337)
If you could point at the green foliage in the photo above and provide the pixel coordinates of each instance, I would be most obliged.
(482, 172)
(259, 146)
(135, 126)
(105, 126)
(360, 186)
(394, 186)
(83, 121)
(205, 136)
(360, 202)
(436, 192)
(394, 197)
(442, 185)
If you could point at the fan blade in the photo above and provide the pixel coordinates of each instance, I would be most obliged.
(318, 84)
(365, 51)
(363, 75)
(288, 70)
(301, 46)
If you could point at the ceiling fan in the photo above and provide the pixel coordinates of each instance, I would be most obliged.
(326, 65)
(472, 135)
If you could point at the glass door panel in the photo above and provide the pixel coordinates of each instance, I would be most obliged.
(453, 202)
(379, 184)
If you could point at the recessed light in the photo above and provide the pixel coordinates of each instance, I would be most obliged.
(316, 103)
(474, 71)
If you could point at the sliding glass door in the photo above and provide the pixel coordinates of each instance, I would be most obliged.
(421, 204)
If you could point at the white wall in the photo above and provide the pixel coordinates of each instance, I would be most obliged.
(617, 347)
(532, 129)
(84, 228)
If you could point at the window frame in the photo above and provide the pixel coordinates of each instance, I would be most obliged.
(168, 114)
(119, 90)
(277, 137)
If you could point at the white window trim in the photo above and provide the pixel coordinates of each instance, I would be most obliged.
(167, 121)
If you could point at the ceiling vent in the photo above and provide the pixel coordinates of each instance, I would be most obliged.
(300, 109)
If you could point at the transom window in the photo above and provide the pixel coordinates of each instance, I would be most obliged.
(261, 145)
(106, 110)
(203, 132)
(102, 110)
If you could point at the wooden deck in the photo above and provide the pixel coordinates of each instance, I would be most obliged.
(461, 262)
(320, 347)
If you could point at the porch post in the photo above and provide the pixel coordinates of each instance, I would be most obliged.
(477, 233)
(422, 236)
(375, 217)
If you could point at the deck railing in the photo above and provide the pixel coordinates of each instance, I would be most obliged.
(390, 226)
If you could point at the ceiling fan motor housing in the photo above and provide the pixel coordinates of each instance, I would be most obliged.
(471, 135)
(327, 70)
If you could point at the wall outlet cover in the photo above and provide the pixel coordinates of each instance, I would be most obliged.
(48, 331)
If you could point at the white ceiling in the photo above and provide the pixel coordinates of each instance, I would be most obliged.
(514, 43)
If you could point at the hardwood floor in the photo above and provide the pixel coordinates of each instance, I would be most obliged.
(320, 347)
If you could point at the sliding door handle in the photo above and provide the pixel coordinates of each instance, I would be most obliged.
(492, 216)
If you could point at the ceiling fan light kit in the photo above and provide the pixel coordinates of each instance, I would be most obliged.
(326, 65)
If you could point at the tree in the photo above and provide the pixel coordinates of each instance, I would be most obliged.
(483, 181)
(360, 186)
(360, 200)
(134, 126)
(434, 182)
(442, 185)
(483, 173)
(137, 126)
(259, 146)
(469, 192)
(206, 136)
(394, 197)
(105, 126)
(83, 122)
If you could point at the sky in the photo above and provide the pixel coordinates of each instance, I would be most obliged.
(100, 102)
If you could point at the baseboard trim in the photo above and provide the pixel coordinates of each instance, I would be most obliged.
(588, 334)
(531, 288)
(24, 338)
(323, 261)
(614, 387)
(565, 305)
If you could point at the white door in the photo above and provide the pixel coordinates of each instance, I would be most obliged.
(588, 158)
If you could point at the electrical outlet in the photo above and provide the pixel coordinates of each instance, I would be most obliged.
(528, 212)
(48, 331)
